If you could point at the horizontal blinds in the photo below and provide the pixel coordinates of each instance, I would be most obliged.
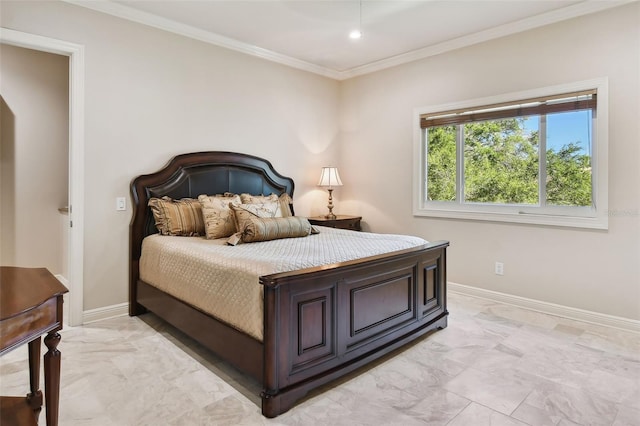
(566, 102)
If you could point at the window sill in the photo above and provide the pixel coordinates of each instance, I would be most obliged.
(598, 222)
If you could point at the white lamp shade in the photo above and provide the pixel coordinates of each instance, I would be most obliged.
(330, 177)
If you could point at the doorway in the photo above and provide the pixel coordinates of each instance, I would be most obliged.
(74, 259)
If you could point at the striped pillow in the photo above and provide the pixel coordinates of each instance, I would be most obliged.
(177, 217)
(252, 228)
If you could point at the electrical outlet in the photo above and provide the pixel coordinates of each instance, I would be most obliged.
(121, 204)
(499, 268)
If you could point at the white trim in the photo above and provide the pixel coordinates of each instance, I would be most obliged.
(548, 308)
(577, 217)
(122, 309)
(145, 18)
(75, 52)
(98, 314)
(62, 279)
(65, 298)
(151, 20)
(548, 18)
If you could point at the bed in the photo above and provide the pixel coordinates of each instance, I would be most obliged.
(319, 323)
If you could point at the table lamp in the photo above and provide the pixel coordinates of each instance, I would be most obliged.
(330, 178)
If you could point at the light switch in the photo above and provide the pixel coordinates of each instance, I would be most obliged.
(121, 203)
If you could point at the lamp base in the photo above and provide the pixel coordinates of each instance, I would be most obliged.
(330, 215)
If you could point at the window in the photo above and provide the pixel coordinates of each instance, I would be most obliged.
(531, 157)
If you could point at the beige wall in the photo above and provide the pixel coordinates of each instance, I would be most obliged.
(586, 269)
(34, 157)
(150, 94)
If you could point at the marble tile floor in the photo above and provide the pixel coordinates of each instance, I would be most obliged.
(494, 365)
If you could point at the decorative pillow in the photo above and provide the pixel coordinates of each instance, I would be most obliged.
(244, 212)
(258, 199)
(219, 221)
(270, 228)
(177, 217)
(283, 201)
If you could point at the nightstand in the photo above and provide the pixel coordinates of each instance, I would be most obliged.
(341, 222)
(31, 305)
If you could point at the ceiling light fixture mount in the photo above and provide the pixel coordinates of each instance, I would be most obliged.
(356, 34)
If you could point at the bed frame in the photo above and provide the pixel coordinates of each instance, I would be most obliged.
(319, 323)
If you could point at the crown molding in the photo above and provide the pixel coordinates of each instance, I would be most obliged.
(145, 18)
(151, 20)
(548, 18)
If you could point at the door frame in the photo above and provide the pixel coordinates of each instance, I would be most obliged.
(75, 258)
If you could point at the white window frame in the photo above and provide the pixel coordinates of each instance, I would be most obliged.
(595, 217)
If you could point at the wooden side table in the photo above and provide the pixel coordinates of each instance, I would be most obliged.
(30, 306)
(341, 222)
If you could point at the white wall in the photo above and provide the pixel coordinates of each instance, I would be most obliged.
(592, 270)
(34, 157)
(151, 94)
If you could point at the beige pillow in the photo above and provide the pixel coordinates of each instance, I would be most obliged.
(283, 201)
(219, 221)
(258, 199)
(244, 212)
(177, 217)
(270, 228)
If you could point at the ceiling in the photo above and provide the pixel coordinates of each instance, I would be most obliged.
(314, 34)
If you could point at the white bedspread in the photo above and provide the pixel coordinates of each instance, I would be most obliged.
(222, 280)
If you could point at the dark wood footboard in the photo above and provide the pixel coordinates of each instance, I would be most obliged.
(319, 323)
(323, 323)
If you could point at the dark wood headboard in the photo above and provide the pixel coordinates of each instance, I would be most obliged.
(190, 175)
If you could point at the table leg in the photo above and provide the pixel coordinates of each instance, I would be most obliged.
(52, 378)
(34, 398)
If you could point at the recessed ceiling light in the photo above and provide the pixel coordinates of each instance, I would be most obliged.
(356, 34)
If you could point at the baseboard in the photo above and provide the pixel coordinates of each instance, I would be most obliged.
(65, 298)
(548, 308)
(62, 279)
(627, 324)
(98, 314)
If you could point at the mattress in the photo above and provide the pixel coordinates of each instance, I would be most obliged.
(223, 280)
